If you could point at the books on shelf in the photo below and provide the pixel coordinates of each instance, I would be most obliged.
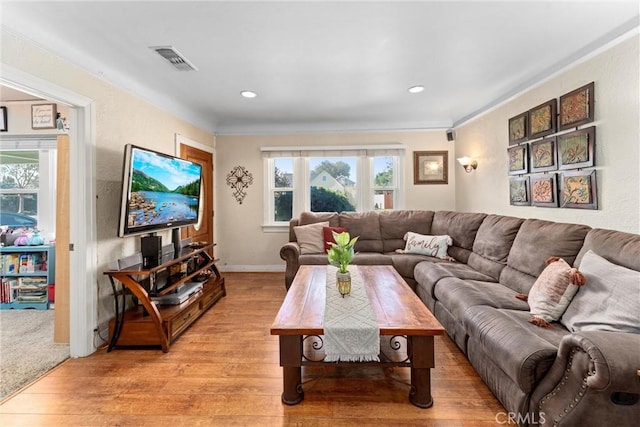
(23, 289)
(17, 263)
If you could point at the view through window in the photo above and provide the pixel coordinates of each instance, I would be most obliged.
(339, 183)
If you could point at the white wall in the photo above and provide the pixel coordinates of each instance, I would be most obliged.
(19, 118)
(617, 117)
(242, 244)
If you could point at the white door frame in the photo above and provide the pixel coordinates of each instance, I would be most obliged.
(83, 256)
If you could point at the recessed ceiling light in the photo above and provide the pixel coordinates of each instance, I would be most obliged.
(416, 89)
(248, 94)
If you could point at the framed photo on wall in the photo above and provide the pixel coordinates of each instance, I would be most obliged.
(576, 107)
(3, 119)
(577, 149)
(544, 190)
(542, 119)
(578, 190)
(43, 116)
(518, 159)
(430, 167)
(543, 155)
(518, 128)
(519, 193)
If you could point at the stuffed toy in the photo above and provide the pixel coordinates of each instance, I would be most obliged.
(552, 292)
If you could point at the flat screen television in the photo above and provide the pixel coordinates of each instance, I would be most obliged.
(159, 192)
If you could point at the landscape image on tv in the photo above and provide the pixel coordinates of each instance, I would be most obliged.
(162, 190)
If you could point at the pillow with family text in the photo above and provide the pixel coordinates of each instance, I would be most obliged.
(434, 246)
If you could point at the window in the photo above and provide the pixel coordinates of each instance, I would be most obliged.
(327, 179)
(27, 183)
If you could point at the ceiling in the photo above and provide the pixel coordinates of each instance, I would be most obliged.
(324, 66)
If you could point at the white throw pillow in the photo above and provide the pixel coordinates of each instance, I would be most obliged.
(610, 300)
(310, 237)
(434, 246)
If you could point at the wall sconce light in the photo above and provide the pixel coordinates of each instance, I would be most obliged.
(468, 163)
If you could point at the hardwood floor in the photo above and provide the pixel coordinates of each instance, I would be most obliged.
(224, 371)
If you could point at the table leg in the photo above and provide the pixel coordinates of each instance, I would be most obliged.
(291, 362)
(422, 360)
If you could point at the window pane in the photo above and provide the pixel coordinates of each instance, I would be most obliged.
(19, 171)
(383, 172)
(333, 184)
(383, 199)
(283, 173)
(283, 205)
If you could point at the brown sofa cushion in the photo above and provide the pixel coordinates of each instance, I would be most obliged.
(493, 243)
(536, 241)
(395, 224)
(462, 227)
(313, 217)
(366, 226)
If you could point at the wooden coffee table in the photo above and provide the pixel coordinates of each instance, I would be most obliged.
(407, 329)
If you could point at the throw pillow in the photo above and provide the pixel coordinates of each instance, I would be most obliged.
(609, 303)
(434, 246)
(552, 291)
(327, 233)
(309, 237)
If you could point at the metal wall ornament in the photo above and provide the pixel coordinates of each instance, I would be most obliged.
(576, 107)
(518, 128)
(578, 190)
(542, 119)
(239, 179)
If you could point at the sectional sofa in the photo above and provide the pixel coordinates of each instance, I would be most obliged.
(586, 375)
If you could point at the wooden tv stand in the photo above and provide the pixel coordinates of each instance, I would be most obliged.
(151, 324)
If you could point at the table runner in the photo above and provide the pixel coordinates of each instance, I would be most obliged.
(351, 332)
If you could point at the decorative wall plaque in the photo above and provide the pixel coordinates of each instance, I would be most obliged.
(239, 179)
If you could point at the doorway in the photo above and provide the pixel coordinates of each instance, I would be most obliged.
(82, 248)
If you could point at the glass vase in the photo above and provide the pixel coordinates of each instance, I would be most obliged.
(343, 281)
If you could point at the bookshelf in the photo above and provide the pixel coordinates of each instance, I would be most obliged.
(26, 273)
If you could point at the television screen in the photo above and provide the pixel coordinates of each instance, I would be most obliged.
(159, 192)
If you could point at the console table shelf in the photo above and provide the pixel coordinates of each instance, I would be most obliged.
(152, 324)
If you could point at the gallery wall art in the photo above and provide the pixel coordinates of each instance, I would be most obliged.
(548, 153)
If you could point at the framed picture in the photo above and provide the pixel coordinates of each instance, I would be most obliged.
(43, 116)
(518, 128)
(518, 159)
(3, 119)
(578, 190)
(430, 167)
(542, 119)
(543, 155)
(544, 190)
(577, 149)
(576, 107)
(519, 194)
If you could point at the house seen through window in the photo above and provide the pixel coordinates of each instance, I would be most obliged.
(357, 180)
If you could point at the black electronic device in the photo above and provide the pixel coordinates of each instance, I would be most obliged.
(151, 248)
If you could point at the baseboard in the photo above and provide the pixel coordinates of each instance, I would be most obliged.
(251, 268)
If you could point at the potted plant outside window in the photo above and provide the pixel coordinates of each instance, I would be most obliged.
(340, 255)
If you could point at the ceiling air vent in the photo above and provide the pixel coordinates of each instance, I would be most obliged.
(175, 58)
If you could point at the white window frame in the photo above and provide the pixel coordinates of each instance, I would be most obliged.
(47, 188)
(301, 182)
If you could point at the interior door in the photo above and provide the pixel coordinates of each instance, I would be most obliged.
(202, 232)
(61, 330)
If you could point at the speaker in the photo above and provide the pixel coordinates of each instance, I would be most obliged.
(451, 135)
(151, 247)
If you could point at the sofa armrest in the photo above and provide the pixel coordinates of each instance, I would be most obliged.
(615, 357)
(592, 372)
(290, 253)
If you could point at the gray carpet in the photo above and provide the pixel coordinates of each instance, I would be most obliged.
(27, 349)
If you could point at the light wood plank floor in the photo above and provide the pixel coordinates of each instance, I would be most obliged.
(224, 371)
